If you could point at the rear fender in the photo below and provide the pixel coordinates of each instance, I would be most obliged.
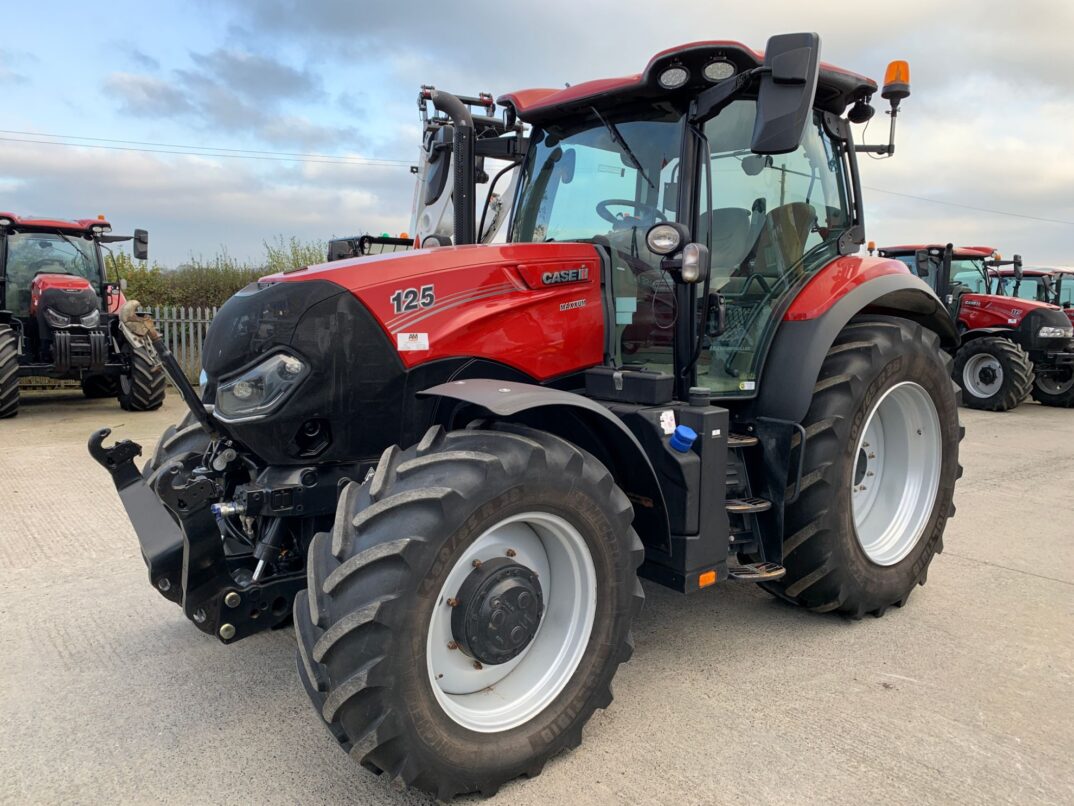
(580, 421)
(800, 346)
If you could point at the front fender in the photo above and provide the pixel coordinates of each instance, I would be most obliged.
(584, 423)
(800, 345)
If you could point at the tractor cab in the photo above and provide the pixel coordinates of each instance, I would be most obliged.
(710, 145)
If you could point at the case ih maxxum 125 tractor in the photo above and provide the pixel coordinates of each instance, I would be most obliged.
(444, 458)
(61, 318)
(1010, 347)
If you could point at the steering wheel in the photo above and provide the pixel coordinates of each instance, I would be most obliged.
(637, 206)
(36, 266)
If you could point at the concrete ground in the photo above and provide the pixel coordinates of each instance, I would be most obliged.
(107, 695)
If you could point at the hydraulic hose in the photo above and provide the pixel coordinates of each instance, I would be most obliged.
(463, 154)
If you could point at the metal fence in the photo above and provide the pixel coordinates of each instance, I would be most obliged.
(182, 329)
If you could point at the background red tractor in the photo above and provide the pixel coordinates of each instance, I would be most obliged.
(61, 318)
(1010, 347)
(452, 465)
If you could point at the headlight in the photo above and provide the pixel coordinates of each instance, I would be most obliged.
(663, 239)
(260, 389)
(1048, 332)
(56, 319)
(718, 70)
(673, 78)
(91, 319)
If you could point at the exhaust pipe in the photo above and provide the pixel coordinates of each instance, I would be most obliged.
(463, 155)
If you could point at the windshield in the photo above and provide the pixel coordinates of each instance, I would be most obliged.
(772, 222)
(31, 253)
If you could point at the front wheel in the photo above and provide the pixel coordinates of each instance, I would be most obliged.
(1055, 389)
(141, 388)
(879, 471)
(468, 611)
(9, 373)
(995, 374)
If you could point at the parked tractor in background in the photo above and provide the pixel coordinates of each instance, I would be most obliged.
(1010, 347)
(61, 318)
(456, 469)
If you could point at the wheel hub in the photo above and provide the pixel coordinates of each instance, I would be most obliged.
(500, 604)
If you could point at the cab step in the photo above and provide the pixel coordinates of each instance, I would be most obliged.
(741, 441)
(748, 506)
(756, 572)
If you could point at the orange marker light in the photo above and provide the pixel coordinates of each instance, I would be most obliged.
(100, 217)
(403, 235)
(897, 81)
(705, 579)
(898, 72)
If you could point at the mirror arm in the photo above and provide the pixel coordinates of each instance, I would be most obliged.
(888, 149)
(716, 98)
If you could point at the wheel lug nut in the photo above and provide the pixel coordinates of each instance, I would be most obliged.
(452, 602)
(452, 645)
(510, 552)
(872, 455)
(476, 563)
(477, 665)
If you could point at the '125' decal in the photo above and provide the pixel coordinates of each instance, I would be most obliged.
(411, 299)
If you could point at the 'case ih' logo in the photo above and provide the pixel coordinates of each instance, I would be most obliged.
(566, 276)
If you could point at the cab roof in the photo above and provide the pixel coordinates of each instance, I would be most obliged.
(836, 88)
(960, 251)
(81, 225)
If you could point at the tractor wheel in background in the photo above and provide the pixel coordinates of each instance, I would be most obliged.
(994, 373)
(142, 389)
(9, 372)
(98, 386)
(186, 441)
(880, 465)
(1055, 390)
(468, 611)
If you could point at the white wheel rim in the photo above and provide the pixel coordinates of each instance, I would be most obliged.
(896, 474)
(982, 375)
(499, 697)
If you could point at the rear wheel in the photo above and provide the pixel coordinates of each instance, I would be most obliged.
(468, 611)
(9, 372)
(142, 388)
(98, 386)
(994, 373)
(1055, 389)
(881, 460)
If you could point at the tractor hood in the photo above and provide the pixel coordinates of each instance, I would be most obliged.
(65, 293)
(373, 332)
(1012, 309)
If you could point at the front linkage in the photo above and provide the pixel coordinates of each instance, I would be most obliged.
(195, 554)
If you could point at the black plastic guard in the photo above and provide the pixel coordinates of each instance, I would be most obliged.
(159, 536)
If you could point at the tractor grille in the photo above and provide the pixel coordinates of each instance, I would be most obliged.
(79, 350)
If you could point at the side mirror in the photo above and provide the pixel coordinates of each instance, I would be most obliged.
(122, 283)
(566, 166)
(785, 97)
(922, 263)
(141, 244)
(1017, 263)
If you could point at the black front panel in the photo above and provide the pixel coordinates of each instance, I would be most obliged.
(70, 302)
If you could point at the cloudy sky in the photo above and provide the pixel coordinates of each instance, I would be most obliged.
(990, 124)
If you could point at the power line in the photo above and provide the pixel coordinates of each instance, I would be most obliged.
(970, 207)
(185, 146)
(337, 159)
(282, 156)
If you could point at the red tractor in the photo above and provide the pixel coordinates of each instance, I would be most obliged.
(445, 465)
(1010, 346)
(61, 318)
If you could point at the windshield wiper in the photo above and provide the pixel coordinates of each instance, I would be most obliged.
(79, 252)
(619, 141)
